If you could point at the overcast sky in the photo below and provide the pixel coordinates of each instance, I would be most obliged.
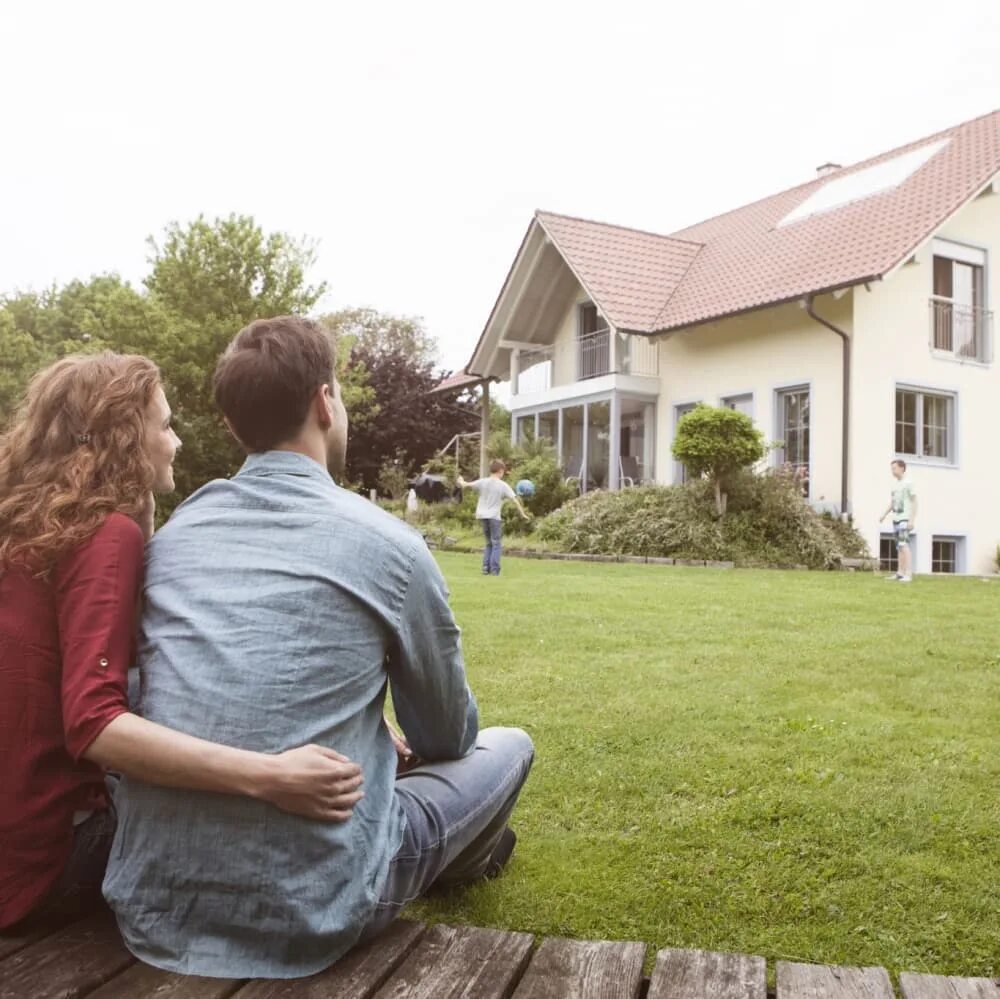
(413, 140)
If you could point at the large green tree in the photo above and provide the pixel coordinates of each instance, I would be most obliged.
(207, 280)
(210, 279)
(36, 328)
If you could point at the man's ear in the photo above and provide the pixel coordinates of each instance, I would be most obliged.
(236, 436)
(323, 404)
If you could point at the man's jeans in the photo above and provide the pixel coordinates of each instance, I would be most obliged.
(455, 815)
(491, 553)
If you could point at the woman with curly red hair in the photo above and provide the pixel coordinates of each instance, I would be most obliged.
(79, 466)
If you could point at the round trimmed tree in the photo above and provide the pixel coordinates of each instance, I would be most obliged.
(717, 442)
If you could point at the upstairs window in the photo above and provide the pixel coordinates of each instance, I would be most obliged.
(960, 322)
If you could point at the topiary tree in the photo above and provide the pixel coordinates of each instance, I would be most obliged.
(718, 442)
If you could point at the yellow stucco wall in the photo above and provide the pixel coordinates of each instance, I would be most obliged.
(564, 365)
(893, 346)
(760, 353)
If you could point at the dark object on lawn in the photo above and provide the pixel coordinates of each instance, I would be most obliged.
(430, 488)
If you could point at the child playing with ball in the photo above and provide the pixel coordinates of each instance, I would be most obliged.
(492, 493)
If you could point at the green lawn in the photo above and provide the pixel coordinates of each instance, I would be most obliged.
(799, 765)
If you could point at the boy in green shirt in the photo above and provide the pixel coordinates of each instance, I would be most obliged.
(904, 514)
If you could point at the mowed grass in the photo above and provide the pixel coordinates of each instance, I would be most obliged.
(799, 765)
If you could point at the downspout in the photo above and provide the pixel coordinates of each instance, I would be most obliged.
(846, 400)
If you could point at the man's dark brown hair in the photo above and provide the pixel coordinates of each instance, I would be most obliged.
(496, 465)
(268, 376)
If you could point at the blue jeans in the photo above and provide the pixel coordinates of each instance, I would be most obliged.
(455, 814)
(491, 553)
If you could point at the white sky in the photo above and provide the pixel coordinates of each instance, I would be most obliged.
(413, 140)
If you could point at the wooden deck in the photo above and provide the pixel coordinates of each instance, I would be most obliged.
(410, 961)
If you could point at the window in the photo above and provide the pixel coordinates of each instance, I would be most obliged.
(959, 320)
(680, 469)
(793, 426)
(525, 429)
(945, 554)
(925, 424)
(857, 185)
(548, 426)
(741, 403)
(888, 554)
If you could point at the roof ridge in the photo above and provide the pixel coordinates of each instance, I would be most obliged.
(623, 228)
(842, 171)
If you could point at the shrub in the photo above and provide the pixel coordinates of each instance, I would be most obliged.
(720, 443)
(768, 524)
(392, 477)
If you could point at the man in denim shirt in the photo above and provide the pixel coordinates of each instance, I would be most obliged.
(277, 608)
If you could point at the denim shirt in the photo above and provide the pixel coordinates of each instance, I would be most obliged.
(277, 608)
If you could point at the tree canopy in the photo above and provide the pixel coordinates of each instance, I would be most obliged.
(717, 442)
(206, 281)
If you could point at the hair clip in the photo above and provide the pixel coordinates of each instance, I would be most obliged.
(83, 438)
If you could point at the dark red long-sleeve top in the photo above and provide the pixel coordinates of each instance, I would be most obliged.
(66, 643)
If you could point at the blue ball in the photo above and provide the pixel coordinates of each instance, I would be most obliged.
(525, 488)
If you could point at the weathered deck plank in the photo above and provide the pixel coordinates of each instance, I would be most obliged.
(144, 982)
(819, 981)
(356, 976)
(914, 986)
(583, 969)
(699, 974)
(11, 943)
(452, 962)
(68, 964)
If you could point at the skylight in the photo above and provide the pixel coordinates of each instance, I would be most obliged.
(863, 184)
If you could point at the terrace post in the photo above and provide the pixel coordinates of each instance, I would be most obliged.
(484, 430)
(614, 444)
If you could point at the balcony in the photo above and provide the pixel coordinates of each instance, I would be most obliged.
(963, 331)
(581, 359)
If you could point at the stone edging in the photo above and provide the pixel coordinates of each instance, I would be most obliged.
(846, 565)
(572, 557)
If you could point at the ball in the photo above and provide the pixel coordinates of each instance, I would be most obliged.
(525, 488)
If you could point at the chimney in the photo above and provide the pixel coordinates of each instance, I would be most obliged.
(826, 169)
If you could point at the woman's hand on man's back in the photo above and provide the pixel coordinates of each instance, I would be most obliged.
(314, 782)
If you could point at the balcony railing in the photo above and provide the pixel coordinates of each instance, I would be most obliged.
(962, 330)
(589, 356)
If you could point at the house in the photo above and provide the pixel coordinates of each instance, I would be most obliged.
(850, 317)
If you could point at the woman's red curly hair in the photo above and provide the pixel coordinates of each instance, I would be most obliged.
(75, 452)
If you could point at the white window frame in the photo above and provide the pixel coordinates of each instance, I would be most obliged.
(918, 456)
(726, 402)
(780, 392)
(680, 472)
(958, 540)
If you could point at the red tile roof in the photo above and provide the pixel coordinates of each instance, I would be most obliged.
(744, 259)
(453, 383)
(624, 270)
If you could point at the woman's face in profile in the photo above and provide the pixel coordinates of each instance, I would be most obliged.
(161, 442)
